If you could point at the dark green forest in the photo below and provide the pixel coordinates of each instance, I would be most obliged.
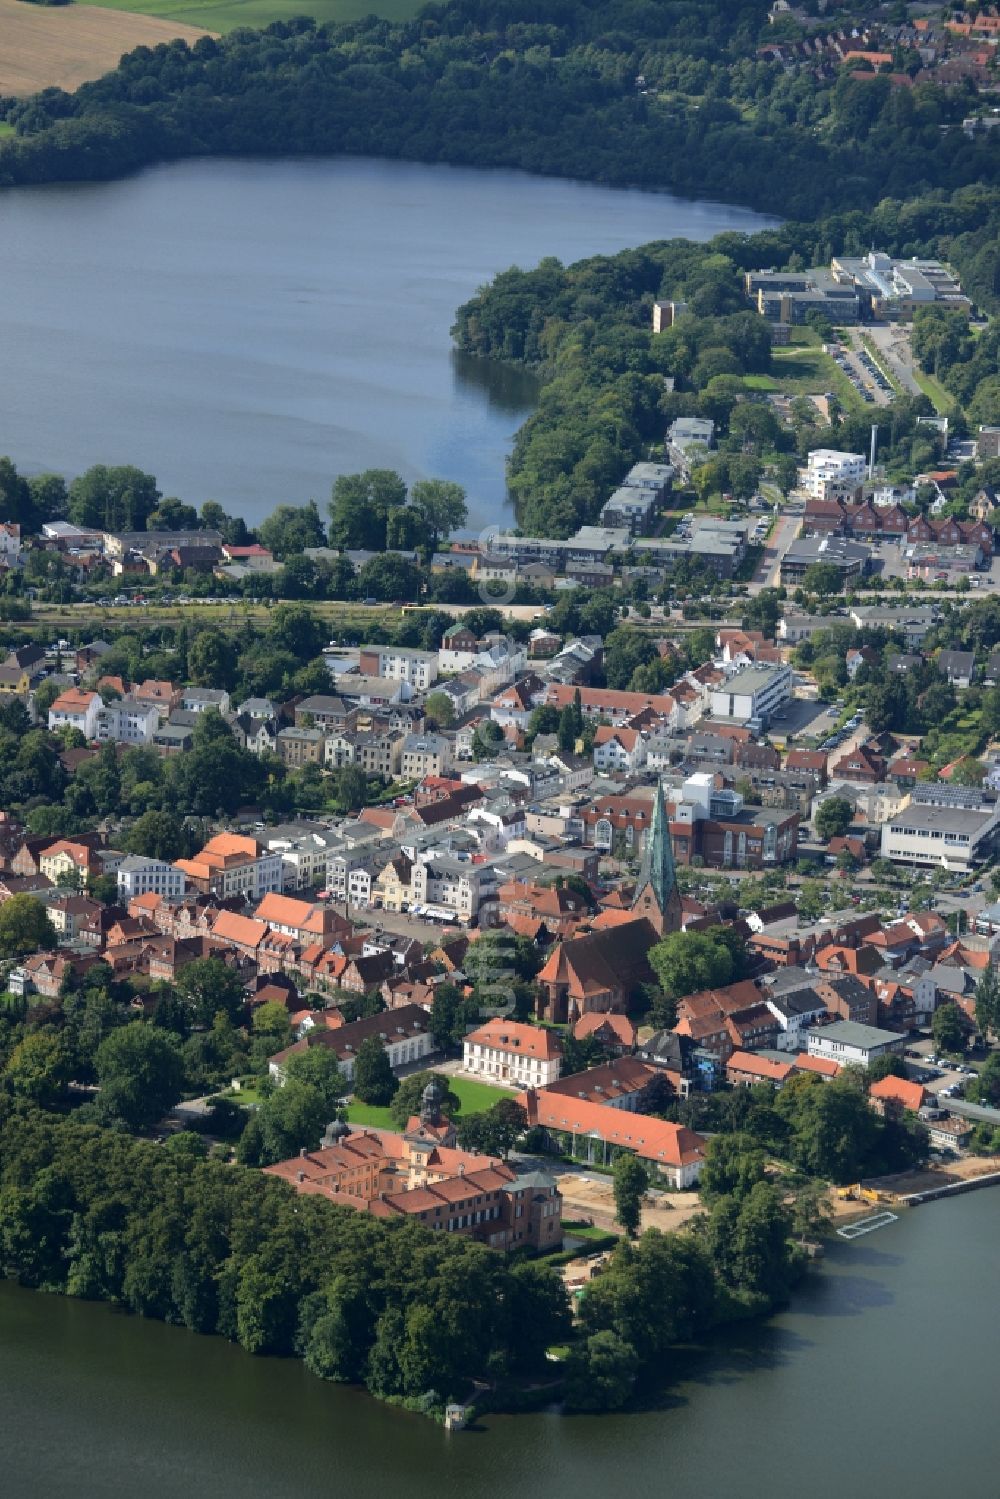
(670, 95)
(222, 1249)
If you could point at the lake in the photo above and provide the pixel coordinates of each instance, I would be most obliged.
(878, 1381)
(246, 330)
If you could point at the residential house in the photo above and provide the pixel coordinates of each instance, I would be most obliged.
(425, 754)
(76, 709)
(959, 667)
(530, 909)
(616, 1033)
(399, 664)
(299, 746)
(621, 750)
(618, 707)
(127, 720)
(896, 1095)
(200, 699)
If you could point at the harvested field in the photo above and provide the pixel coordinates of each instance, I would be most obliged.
(64, 46)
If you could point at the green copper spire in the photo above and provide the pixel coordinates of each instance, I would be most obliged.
(658, 861)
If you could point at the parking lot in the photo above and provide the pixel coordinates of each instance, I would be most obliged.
(800, 715)
(890, 561)
(864, 373)
(940, 1076)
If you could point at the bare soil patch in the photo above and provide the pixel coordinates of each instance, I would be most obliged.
(64, 46)
(584, 1197)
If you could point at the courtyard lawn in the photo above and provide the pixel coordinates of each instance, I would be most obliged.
(226, 15)
(248, 1096)
(476, 1098)
(369, 1115)
(577, 1229)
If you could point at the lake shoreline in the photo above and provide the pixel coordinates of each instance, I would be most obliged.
(290, 317)
(855, 1336)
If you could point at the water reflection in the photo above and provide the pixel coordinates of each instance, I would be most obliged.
(510, 390)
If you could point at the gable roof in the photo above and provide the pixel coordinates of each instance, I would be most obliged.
(243, 930)
(899, 1090)
(599, 961)
(621, 1027)
(762, 1067)
(654, 1139)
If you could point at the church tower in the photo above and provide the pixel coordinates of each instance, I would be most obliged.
(656, 895)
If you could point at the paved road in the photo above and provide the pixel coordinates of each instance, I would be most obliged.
(768, 573)
(893, 343)
(846, 747)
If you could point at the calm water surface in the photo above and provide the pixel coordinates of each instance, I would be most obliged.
(879, 1382)
(246, 330)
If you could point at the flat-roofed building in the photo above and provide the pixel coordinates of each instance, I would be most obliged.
(955, 838)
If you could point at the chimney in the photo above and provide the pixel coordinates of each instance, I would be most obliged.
(303, 1152)
(300, 1176)
(461, 1168)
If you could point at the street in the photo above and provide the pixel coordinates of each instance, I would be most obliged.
(768, 573)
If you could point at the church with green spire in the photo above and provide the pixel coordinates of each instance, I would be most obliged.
(656, 895)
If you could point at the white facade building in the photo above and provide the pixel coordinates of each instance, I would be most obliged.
(753, 693)
(847, 1041)
(200, 699)
(140, 876)
(955, 838)
(505, 1051)
(400, 664)
(127, 721)
(76, 709)
(829, 474)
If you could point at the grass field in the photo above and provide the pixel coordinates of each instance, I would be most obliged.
(369, 1116)
(226, 15)
(944, 404)
(476, 1099)
(64, 46)
(802, 369)
(810, 372)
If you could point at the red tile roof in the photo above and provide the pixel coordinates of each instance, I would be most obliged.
(525, 1040)
(899, 1090)
(653, 1139)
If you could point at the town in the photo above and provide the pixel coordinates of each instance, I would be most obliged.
(603, 902)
